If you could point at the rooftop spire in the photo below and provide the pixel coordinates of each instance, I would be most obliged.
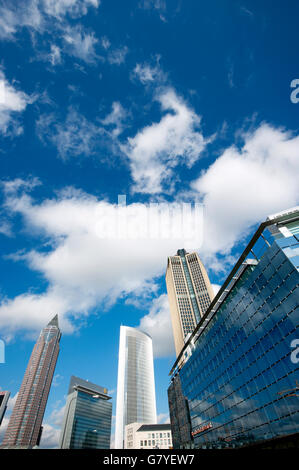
(54, 321)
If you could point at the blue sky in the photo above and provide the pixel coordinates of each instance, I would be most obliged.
(163, 101)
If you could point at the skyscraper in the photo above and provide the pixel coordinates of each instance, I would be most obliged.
(87, 418)
(24, 428)
(136, 398)
(4, 396)
(189, 294)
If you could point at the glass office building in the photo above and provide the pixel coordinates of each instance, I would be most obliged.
(136, 398)
(241, 377)
(179, 412)
(87, 418)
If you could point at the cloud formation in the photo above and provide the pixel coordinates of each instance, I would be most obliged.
(35, 14)
(80, 43)
(247, 183)
(12, 103)
(158, 148)
(72, 137)
(157, 324)
(239, 189)
(149, 74)
(80, 233)
(118, 56)
(74, 8)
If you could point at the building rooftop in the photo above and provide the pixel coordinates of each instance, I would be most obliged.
(89, 387)
(154, 427)
(54, 321)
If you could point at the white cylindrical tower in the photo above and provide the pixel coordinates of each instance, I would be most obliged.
(136, 398)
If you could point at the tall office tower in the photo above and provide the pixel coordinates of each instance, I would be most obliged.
(87, 417)
(189, 294)
(4, 396)
(24, 428)
(136, 398)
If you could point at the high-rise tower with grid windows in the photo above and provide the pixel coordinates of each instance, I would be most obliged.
(189, 293)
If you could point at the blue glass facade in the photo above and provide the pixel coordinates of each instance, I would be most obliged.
(240, 380)
(87, 419)
(92, 423)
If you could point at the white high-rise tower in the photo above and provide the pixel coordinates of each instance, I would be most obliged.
(136, 398)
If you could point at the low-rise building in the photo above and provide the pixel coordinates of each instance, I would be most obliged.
(148, 436)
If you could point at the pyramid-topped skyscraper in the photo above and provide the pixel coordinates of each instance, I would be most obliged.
(24, 428)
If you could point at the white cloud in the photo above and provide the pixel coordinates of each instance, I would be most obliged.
(76, 136)
(15, 17)
(244, 185)
(55, 55)
(34, 14)
(57, 380)
(50, 437)
(118, 56)
(147, 73)
(56, 417)
(31, 312)
(163, 418)
(116, 118)
(105, 42)
(5, 228)
(85, 265)
(3, 427)
(157, 324)
(12, 103)
(157, 149)
(216, 288)
(81, 43)
(75, 8)
(11, 187)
